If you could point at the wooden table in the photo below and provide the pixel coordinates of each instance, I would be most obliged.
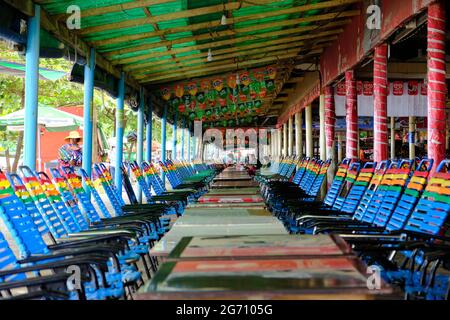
(324, 278)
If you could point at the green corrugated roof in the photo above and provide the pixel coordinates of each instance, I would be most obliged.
(151, 42)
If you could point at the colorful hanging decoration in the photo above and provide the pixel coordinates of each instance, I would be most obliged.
(217, 84)
(397, 88)
(166, 93)
(245, 78)
(179, 90)
(231, 81)
(413, 88)
(271, 72)
(192, 88)
(222, 98)
(424, 88)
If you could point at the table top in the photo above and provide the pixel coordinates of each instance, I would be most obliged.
(319, 277)
(259, 246)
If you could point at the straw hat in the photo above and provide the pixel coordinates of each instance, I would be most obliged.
(73, 135)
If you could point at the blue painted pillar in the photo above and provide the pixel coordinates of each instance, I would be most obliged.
(163, 140)
(174, 136)
(148, 133)
(183, 130)
(31, 89)
(140, 137)
(119, 133)
(87, 112)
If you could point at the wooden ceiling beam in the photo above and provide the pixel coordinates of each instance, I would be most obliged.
(217, 44)
(208, 10)
(277, 24)
(237, 57)
(116, 53)
(228, 62)
(230, 65)
(285, 42)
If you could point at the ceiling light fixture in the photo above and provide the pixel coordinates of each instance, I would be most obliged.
(223, 21)
(210, 57)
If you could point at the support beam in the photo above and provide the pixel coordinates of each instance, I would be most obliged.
(352, 116)
(437, 88)
(163, 140)
(290, 137)
(380, 82)
(31, 89)
(285, 140)
(174, 136)
(140, 138)
(299, 134)
(119, 133)
(309, 132)
(412, 137)
(339, 144)
(148, 132)
(89, 69)
(194, 148)
(330, 128)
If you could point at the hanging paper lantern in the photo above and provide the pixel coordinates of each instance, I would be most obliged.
(231, 81)
(259, 74)
(202, 106)
(192, 105)
(192, 116)
(263, 93)
(201, 97)
(242, 97)
(205, 84)
(217, 84)
(245, 78)
(253, 95)
(224, 110)
(232, 108)
(222, 102)
(271, 72)
(223, 93)
(165, 93)
(270, 85)
(249, 105)
(241, 107)
(176, 102)
(187, 99)
(208, 113)
(232, 98)
(245, 90)
(179, 90)
(182, 108)
(192, 88)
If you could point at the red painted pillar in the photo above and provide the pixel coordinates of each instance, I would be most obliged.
(330, 121)
(351, 107)
(380, 83)
(437, 89)
(330, 133)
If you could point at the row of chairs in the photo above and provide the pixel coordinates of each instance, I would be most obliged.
(395, 214)
(70, 245)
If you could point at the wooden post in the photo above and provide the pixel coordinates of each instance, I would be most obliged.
(309, 132)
